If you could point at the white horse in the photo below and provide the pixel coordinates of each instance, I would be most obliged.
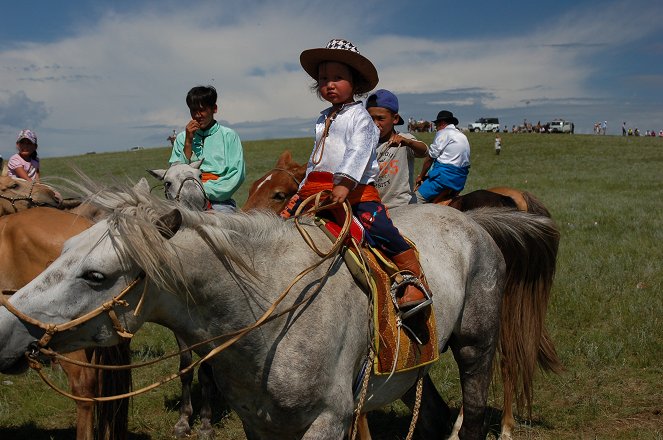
(182, 182)
(208, 275)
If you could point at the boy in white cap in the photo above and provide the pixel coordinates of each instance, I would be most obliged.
(396, 151)
(25, 164)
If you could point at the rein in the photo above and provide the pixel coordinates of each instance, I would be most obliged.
(269, 315)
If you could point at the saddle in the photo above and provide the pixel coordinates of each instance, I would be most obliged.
(399, 345)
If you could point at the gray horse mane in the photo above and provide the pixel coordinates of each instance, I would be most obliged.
(133, 223)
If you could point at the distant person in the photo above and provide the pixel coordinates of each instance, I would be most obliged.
(604, 127)
(395, 153)
(660, 133)
(25, 163)
(636, 132)
(624, 129)
(220, 148)
(444, 172)
(172, 138)
(498, 145)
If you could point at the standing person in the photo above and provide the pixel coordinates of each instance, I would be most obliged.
(344, 158)
(604, 127)
(624, 128)
(498, 144)
(447, 164)
(395, 152)
(219, 147)
(25, 163)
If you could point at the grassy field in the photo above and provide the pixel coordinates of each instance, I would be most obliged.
(606, 312)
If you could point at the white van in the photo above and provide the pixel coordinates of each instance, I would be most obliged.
(485, 124)
(560, 126)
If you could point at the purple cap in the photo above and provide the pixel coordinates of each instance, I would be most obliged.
(27, 134)
(385, 99)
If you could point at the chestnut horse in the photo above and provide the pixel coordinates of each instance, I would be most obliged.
(273, 190)
(18, 194)
(30, 240)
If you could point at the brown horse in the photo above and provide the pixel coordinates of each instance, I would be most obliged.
(419, 126)
(18, 194)
(29, 241)
(272, 192)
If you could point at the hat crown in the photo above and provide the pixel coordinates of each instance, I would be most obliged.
(341, 44)
(383, 98)
(27, 134)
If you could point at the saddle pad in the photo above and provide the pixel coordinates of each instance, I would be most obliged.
(396, 349)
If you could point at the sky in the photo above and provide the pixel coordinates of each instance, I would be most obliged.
(107, 76)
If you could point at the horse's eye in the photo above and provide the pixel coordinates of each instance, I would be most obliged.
(280, 196)
(13, 185)
(94, 277)
(167, 185)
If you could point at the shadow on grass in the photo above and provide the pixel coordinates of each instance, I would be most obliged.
(31, 431)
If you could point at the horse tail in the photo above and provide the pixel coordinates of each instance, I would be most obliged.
(529, 244)
(113, 416)
(534, 205)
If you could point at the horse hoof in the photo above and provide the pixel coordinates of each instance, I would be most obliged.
(206, 432)
(182, 430)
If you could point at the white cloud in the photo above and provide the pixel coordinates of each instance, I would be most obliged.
(101, 88)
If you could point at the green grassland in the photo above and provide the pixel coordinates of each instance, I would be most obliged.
(605, 315)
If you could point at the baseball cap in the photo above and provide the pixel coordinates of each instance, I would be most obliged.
(385, 99)
(27, 134)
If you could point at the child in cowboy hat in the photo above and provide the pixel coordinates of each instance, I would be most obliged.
(25, 164)
(447, 164)
(344, 157)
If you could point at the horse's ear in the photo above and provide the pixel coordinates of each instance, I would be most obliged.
(197, 164)
(159, 174)
(142, 185)
(285, 159)
(170, 223)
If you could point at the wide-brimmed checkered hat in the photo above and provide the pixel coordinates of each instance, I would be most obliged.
(341, 51)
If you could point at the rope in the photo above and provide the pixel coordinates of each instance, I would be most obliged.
(233, 337)
(363, 392)
(417, 406)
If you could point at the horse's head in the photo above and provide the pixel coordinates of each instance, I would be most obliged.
(19, 194)
(183, 183)
(273, 190)
(90, 292)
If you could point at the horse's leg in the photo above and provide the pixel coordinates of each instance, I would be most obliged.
(207, 385)
(328, 425)
(474, 361)
(508, 422)
(434, 413)
(182, 428)
(363, 431)
(457, 424)
(83, 383)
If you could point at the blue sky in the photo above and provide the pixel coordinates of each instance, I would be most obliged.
(106, 76)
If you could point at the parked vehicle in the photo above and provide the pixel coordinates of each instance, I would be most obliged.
(560, 126)
(485, 124)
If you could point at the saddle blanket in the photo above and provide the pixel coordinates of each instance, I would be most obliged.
(397, 348)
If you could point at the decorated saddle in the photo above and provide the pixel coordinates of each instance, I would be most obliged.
(400, 345)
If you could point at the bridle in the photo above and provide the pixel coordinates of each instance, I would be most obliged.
(27, 198)
(198, 184)
(289, 173)
(51, 330)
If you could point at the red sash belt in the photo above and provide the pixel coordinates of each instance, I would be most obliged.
(208, 176)
(318, 181)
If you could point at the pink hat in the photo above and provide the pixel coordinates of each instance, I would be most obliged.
(27, 134)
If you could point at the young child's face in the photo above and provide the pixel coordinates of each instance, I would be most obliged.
(385, 119)
(335, 83)
(203, 115)
(25, 148)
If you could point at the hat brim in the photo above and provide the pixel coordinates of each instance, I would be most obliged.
(25, 137)
(400, 120)
(310, 60)
(452, 120)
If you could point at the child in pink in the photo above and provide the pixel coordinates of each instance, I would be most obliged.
(25, 164)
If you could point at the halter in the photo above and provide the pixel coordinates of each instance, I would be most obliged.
(199, 185)
(289, 173)
(51, 329)
(27, 198)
